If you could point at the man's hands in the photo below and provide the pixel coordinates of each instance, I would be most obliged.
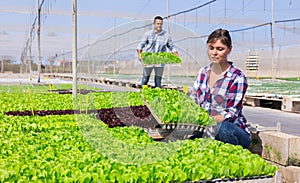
(176, 53)
(139, 55)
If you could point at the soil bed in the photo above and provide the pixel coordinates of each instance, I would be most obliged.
(81, 91)
(120, 116)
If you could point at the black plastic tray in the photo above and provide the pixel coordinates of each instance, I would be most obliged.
(173, 131)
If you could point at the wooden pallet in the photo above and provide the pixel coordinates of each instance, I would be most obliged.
(284, 103)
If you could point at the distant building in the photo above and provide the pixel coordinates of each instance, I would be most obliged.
(64, 63)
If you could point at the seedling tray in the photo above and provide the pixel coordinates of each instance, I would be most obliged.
(158, 133)
(183, 126)
(161, 65)
(160, 59)
(254, 179)
(172, 131)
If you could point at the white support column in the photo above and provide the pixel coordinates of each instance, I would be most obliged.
(74, 50)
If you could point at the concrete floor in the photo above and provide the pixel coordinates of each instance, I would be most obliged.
(290, 122)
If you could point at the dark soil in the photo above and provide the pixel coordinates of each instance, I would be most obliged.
(121, 116)
(82, 91)
(134, 115)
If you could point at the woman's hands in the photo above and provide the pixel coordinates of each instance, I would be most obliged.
(219, 118)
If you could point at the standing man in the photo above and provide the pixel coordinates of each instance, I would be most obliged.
(154, 41)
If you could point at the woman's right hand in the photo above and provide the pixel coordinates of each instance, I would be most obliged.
(218, 118)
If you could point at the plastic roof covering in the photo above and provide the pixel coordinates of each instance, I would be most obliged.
(122, 47)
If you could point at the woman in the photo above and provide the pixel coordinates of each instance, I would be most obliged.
(220, 88)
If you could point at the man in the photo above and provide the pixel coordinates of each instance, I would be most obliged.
(156, 40)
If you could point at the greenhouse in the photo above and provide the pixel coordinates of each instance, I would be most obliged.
(75, 106)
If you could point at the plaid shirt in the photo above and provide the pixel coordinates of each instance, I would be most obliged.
(227, 96)
(156, 42)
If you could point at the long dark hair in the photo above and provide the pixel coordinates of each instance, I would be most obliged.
(220, 34)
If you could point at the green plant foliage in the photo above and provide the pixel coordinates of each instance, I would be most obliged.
(35, 101)
(38, 88)
(62, 151)
(81, 148)
(19, 101)
(119, 99)
(160, 58)
(172, 106)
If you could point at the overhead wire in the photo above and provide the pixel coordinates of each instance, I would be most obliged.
(30, 39)
(141, 27)
(135, 28)
(139, 13)
(189, 10)
(289, 20)
(193, 9)
(252, 27)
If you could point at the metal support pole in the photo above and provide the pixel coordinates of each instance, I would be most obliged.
(2, 65)
(168, 30)
(114, 44)
(30, 60)
(272, 44)
(74, 50)
(39, 39)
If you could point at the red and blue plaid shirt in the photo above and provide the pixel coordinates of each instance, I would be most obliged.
(226, 97)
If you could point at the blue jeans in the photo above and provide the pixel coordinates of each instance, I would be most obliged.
(157, 78)
(231, 133)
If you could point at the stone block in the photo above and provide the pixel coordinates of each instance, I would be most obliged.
(294, 151)
(275, 146)
(290, 174)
